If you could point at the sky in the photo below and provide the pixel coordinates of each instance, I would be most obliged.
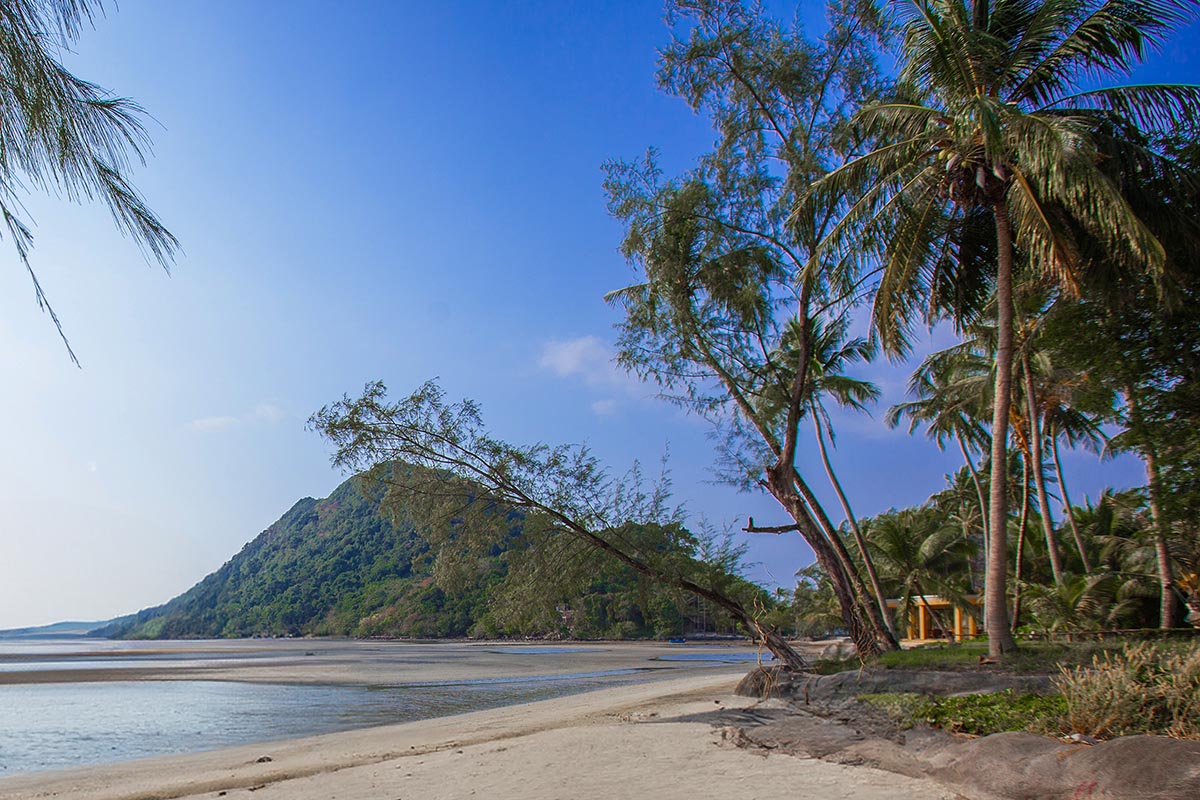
(364, 190)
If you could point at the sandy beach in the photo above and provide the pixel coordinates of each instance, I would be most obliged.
(660, 739)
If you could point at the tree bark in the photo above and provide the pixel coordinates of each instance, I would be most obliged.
(780, 482)
(867, 610)
(1000, 639)
(983, 509)
(1021, 528)
(852, 521)
(1039, 474)
(1066, 503)
(1166, 581)
(1166, 602)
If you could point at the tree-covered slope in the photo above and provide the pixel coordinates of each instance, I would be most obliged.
(339, 566)
(333, 566)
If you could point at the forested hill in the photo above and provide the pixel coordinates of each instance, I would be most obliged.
(339, 567)
(331, 566)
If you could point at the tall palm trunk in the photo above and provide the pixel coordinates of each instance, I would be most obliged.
(1022, 527)
(1166, 602)
(1000, 639)
(1039, 473)
(1066, 502)
(863, 600)
(852, 521)
(983, 509)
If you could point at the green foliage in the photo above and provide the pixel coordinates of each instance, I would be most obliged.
(975, 714)
(1145, 688)
(65, 135)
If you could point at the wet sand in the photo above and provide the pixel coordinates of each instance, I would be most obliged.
(370, 663)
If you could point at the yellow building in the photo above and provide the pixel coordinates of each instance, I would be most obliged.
(927, 615)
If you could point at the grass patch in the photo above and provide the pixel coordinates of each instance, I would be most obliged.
(1033, 658)
(976, 714)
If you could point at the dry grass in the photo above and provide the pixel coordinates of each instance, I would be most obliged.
(1146, 688)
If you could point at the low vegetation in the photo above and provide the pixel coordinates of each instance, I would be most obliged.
(1143, 688)
(976, 714)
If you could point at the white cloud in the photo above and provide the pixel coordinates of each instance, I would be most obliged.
(586, 356)
(603, 408)
(212, 423)
(263, 413)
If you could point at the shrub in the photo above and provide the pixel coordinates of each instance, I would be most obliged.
(1146, 688)
(976, 714)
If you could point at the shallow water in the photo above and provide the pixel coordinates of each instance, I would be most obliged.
(65, 724)
(52, 726)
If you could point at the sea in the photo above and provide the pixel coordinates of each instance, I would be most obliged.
(70, 723)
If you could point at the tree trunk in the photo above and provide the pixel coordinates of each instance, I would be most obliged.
(763, 633)
(983, 509)
(1066, 503)
(1000, 640)
(937, 618)
(781, 484)
(852, 521)
(1039, 474)
(1021, 528)
(867, 609)
(1166, 602)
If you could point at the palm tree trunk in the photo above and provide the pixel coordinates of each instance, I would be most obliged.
(1039, 474)
(983, 510)
(937, 618)
(1066, 502)
(1000, 639)
(1166, 603)
(880, 628)
(1021, 528)
(852, 521)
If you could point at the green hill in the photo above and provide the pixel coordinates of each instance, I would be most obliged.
(339, 567)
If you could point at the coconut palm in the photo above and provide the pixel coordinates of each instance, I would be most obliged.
(922, 553)
(951, 398)
(1056, 391)
(995, 124)
(64, 135)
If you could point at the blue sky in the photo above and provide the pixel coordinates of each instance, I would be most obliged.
(363, 190)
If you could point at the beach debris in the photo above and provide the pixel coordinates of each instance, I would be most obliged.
(263, 760)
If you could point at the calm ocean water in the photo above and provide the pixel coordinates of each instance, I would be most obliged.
(58, 725)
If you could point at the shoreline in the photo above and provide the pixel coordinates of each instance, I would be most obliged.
(663, 737)
(362, 662)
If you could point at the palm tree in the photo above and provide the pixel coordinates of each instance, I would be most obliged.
(1062, 419)
(922, 552)
(65, 135)
(995, 125)
(951, 397)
